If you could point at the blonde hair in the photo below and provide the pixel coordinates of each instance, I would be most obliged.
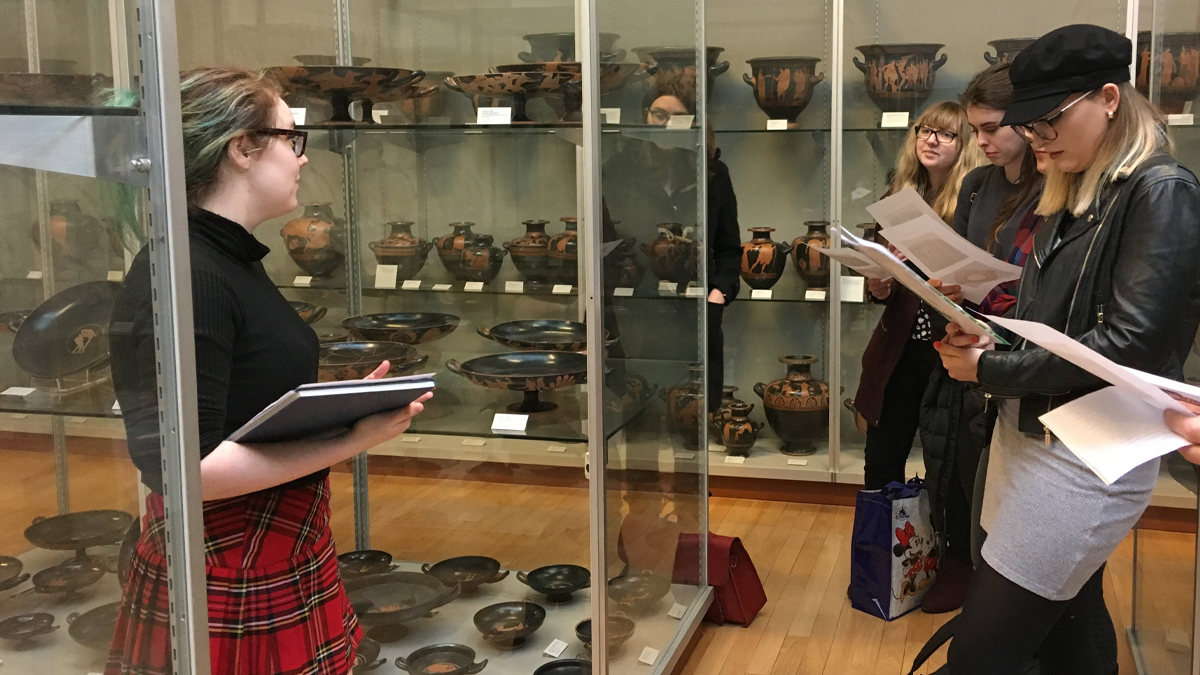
(945, 116)
(1136, 132)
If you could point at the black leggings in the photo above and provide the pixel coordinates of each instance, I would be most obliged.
(889, 444)
(1004, 626)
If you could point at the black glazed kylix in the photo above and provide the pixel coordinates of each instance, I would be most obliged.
(527, 371)
(557, 582)
(443, 659)
(468, 571)
(508, 625)
(358, 563)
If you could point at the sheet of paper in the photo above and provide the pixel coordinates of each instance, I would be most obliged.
(1055, 342)
(943, 254)
(856, 261)
(1112, 431)
(913, 282)
(900, 208)
(1179, 391)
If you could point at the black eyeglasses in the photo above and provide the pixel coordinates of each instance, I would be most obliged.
(1044, 128)
(299, 139)
(923, 133)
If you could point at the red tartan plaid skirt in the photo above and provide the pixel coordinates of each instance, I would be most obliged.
(276, 604)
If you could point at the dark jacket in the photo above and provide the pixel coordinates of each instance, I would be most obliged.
(884, 350)
(1123, 279)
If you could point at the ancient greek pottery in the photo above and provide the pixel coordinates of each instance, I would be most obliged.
(684, 402)
(738, 433)
(563, 250)
(637, 592)
(565, 667)
(78, 531)
(316, 240)
(333, 335)
(53, 66)
(22, 628)
(308, 312)
(672, 254)
(328, 60)
(10, 573)
(480, 261)
(427, 102)
(763, 259)
(355, 360)
(385, 602)
(680, 62)
(401, 248)
(73, 234)
(622, 268)
(468, 571)
(67, 333)
(1006, 49)
(528, 371)
(717, 419)
(68, 577)
(783, 86)
(1180, 69)
(94, 628)
(443, 659)
(365, 659)
(10, 322)
(410, 328)
(557, 582)
(620, 629)
(797, 406)
(561, 47)
(531, 251)
(508, 89)
(342, 84)
(450, 246)
(870, 231)
(900, 76)
(508, 625)
(553, 335)
(567, 102)
(358, 563)
(806, 254)
(49, 89)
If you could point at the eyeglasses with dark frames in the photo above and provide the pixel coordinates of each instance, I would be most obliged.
(1044, 128)
(299, 139)
(943, 136)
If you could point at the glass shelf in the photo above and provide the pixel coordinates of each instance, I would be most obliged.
(69, 111)
(94, 402)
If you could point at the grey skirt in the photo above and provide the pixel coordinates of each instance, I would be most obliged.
(1051, 522)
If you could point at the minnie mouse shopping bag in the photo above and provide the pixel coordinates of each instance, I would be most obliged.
(894, 551)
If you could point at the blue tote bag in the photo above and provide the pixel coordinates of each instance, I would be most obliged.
(894, 551)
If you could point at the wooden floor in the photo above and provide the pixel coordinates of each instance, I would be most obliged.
(801, 551)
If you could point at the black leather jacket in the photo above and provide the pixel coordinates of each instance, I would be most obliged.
(1124, 280)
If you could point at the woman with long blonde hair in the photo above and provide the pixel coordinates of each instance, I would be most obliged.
(937, 155)
(1116, 266)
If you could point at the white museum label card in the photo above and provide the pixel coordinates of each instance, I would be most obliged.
(410, 439)
(411, 285)
(797, 462)
(561, 289)
(441, 287)
(1180, 120)
(475, 442)
(556, 448)
(818, 296)
(116, 275)
(760, 294)
(300, 115)
(494, 116)
(680, 121)
(509, 422)
(677, 611)
(623, 292)
(556, 648)
(735, 460)
(894, 120)
(685, 455)
(117, 407)
(648, 656)
(385, 276)
(34, 274)
(473, 287)
(18, 416)
(611, 115)
(18, 391)
(777, 125)
(667, 286)
(378, 115)
(78, 420)
(302, 281)
(514, 287)
(853, 289)
(694, 292)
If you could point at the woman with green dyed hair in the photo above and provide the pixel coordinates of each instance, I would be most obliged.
(276, 603)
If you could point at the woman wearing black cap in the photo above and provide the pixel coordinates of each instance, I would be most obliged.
(1117, 267)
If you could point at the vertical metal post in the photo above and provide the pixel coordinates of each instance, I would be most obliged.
(360, 468)
(175, 349)
(1132, 10)
(702, 273)
(836, 103)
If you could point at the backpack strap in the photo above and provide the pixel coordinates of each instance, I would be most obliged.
(940, 637)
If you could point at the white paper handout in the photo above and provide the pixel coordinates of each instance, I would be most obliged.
(913, 282)
(936, 249)
(856, 261)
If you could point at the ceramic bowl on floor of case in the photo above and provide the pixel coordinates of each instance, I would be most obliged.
(22, 628)
(94, 628)
(508, 625)
(10, 322)
(67, 333)
(565, 667)
(528, 372)
(343, 84)
(557, 582)
(10, 573)
(333, 335)
(355, 360)
(552, 335)
(783, 85)
(366, 561)
(68, 577)
(45, 89)
(367, 658)
(468, 571)
(900, 77)
(410, 328)
(78, 531)
(638, 592)
(384, 602)
(309, 312)
(443, 659)
(620, 629)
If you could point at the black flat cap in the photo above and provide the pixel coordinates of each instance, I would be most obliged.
(1062, 62)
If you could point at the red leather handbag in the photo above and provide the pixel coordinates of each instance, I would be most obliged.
(738, 591)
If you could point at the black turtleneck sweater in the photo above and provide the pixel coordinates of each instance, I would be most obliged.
(251, 346)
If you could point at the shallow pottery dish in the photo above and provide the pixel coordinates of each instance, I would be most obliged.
(528, 372)
(78, 531)
(638, 592)
(309, 312)
(565, 667)
(323, 60)
(620, 629)
(343, 84)
(468, 571)
(68, 577)
(10, 573)
(367, 658)
(508, 625)
(367, 561)
(443, 659)
(356, 360)
(22, 628)
(67, 333)
(545, 334)
(557, 582)
(385, 602)
(408, 328)
(52, 89)
(94, 628)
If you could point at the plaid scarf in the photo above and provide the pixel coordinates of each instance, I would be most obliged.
(1004, 297)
